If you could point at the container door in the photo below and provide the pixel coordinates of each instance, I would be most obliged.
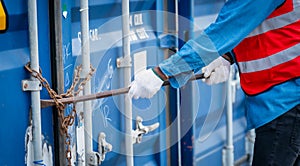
(108, 116)
(16, 117)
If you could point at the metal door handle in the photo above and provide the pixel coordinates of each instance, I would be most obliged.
(141, 130)
(103, 146)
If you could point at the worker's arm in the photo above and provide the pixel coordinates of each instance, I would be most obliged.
(235, 21)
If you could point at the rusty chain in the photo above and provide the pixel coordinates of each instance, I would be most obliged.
(65, 121)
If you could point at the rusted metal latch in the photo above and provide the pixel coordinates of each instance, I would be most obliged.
(50, 102)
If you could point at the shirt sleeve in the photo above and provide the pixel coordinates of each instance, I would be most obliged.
(235, 21)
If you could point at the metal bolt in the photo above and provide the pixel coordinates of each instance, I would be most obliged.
(118, 62)
(25, 86)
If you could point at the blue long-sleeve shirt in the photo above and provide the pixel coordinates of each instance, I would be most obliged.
(235, 21)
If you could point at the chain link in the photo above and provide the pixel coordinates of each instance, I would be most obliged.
(65, 121)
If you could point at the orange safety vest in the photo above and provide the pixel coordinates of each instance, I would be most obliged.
(270, 54)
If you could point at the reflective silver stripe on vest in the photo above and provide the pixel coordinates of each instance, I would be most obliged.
(278, 21)
(270, 61)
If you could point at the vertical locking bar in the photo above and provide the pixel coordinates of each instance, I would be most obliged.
(127, 80)
(87, 105)
(35, 95)
(228, 150)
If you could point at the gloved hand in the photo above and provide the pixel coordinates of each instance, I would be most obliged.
(217, 71)
(145, 85)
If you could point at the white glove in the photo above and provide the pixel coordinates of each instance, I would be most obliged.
(217, 71)
(145, 84)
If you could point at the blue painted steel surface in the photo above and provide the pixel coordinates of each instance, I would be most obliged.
(210, 150)
(14, 103)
